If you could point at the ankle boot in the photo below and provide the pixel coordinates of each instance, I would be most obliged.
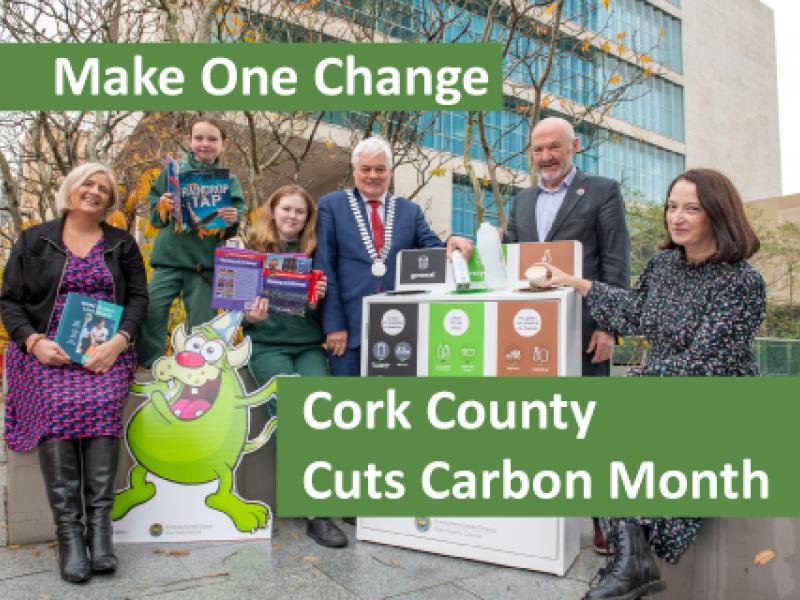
(61, 470)
(633, 571)
(99, 475)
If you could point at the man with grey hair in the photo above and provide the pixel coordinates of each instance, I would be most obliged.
(568, 204)
(359, 233)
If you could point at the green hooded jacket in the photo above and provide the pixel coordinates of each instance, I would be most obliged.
(186, 250)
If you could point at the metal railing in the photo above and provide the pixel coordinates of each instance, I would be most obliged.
(775, 357)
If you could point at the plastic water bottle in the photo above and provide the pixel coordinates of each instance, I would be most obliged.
(491, 253)
(460, 271)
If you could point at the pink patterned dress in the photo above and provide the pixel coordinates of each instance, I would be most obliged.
(67, 402)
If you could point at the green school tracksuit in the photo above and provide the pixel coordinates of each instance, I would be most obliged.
(287, 345)
(183, 263)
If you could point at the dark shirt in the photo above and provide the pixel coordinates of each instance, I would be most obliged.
(701, 319)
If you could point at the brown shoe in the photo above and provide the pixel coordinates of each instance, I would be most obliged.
(599, 538)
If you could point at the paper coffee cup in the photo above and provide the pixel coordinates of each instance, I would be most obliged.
(536, 276)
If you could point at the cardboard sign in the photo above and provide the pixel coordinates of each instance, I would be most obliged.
(186, 442)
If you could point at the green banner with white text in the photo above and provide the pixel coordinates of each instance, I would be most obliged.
(279, 77)
(538, 446)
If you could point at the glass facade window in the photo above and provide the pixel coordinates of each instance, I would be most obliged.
(579, 74)
(464, 208)
(643, 170)
(652, 102)
(656, 32)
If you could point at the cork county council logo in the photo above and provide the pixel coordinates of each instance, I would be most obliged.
(156, 529)
(422, 524)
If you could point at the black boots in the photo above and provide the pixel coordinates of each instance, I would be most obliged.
(61, 469)
(633, 571)
(325, 532)
(99, 474)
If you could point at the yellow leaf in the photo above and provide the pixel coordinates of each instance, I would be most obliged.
(178, 553)
(440, 172)
(551, 7)
(620, 49)
(585, 45)
(164, 209)
(605, 4)
(117, 219)
(644, 58)
(606, 47)
(615, 79)
(310, 558)
(661, 33)
(150, 231)
(546, 100)
(764, 557)
(621, 35)
(648, 72)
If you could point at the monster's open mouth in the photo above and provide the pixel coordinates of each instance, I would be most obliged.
(194, 402)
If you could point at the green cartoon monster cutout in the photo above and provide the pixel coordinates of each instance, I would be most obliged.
(195, 426)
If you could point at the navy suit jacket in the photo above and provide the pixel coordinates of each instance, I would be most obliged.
(342, 256)
(593, 213)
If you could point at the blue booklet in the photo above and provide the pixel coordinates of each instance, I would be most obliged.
(203, 193)
(85, 324)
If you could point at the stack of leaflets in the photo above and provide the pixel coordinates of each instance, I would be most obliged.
(197, 196)
(286, 282)
(238, 278)
(85, 324)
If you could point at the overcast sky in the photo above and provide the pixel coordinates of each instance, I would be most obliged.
(787, 27)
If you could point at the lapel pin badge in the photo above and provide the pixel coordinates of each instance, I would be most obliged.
(580, 191)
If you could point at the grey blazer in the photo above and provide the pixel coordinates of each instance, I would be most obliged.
(592, 213)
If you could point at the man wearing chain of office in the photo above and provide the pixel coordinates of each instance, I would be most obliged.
(360, 232)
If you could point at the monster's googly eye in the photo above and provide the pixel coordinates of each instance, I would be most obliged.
(195, 344)
(212, 351)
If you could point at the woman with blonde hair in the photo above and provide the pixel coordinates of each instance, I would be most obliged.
(73, 412)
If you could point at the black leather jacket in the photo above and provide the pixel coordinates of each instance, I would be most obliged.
(35, 269)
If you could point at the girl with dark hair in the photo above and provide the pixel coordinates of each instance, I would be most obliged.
(699, 303)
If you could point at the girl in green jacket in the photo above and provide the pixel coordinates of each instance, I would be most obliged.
(183, 261)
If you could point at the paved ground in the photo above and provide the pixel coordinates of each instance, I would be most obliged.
(290, 566)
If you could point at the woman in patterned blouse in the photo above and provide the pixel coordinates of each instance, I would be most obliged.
(73, 412)
(699, 303)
